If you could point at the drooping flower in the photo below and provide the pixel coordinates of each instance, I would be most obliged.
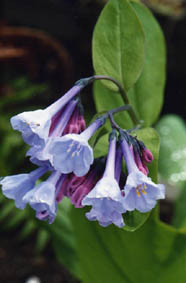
(35, 125)
(42, 198)
(40, 152)
(16, 186)
(140, 192)
(106, 198)
(72, 153)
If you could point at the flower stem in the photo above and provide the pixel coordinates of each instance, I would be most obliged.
(123, 95)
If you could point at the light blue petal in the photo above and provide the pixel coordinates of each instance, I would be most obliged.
(71, 153)
(42, 199)
(34, 125)
(149, 192)
(107, 203)
(16, 186)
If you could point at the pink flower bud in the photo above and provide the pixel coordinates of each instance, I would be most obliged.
(147, 155)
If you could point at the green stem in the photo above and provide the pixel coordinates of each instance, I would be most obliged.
(84, 82)
(123, 95)
(110, 113)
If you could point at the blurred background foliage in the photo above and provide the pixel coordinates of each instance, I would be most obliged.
(44, 47)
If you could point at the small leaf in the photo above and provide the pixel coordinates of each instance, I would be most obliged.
(118, 44)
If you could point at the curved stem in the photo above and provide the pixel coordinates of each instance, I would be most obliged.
(122, 92)
(113, 123)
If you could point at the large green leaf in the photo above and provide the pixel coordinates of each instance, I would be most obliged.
(172, 163)
(118, 44)
(147, 94)
(154, 253)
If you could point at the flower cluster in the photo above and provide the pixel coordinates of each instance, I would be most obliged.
(58, 140)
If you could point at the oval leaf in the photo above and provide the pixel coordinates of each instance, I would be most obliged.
(124, 257)
(147, 94)
(118, 44)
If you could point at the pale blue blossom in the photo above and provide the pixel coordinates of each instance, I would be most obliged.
(40, 152)
(106, 201)
(106, 198)
(72, 153)
(43, 197)
(35, 125)
(140, 192)
(16, 186)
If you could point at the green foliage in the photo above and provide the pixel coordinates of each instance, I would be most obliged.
(179, 217)
(154, 253)
(118, 44)
(148, 88)
(106, 99)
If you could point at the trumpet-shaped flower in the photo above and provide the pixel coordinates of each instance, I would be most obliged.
(72, 153)
(40, 151)
(43, 197)
(35, 125)
(106, 198)
(140, 192)
(16, 186)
